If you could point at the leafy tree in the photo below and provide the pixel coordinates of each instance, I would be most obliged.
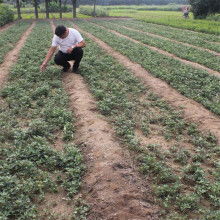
(202, 8)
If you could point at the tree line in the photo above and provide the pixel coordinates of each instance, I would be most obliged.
(200, 8)
(133, 2)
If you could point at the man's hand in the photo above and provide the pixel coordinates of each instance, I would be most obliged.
(43, 66)
(69, 50)
(50, 53)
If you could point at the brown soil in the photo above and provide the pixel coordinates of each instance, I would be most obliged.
(56, 206)
(175, 41)
(199, 66)
(12, 56)
(111, 185)
(193, 111)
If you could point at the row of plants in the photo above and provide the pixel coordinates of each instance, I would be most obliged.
(186, 52)
(33, 116)
(9, 37)
(194, 38)
(6, 15)
(171, 18)
(184, 167)
(191, 82)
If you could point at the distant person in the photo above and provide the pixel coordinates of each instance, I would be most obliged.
(186, 12)
(70, 43)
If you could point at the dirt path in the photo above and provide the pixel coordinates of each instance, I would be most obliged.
(193, 111)
(12, 56)
(175, 41)
(111, 185)
(196, 65)
(5, 27)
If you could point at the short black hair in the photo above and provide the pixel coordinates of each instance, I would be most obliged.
(60, 30)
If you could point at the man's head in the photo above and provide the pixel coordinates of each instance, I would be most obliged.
(61, 31)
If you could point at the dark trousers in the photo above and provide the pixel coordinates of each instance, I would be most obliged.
(63, 58)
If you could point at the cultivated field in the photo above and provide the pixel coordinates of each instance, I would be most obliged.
(135, 135)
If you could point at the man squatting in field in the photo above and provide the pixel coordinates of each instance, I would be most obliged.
(70, 43)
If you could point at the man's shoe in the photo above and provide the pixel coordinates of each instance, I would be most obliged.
(66, 68)
(75, 70)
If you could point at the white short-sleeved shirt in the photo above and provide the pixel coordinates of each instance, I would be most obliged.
(73, 38)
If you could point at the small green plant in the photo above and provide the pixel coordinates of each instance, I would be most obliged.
(187, 203)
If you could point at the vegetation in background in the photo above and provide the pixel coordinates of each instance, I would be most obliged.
(169, 7)
(203, 8)
(171, 18)
(88, 10)
(133, 2)
(68, 15)
(6, 15)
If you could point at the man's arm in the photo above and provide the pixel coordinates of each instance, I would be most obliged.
(48, 57)
(80, 44)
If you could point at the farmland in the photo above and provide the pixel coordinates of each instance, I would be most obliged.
(135, 135)
(170, 18)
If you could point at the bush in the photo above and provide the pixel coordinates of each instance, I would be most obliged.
(88, 10)
(54, 7)
(6, 15)
(203, 8)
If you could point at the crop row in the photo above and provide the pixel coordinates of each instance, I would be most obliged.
(194, 38)
(185, 161)
(33, 115)
(191, 82)
(185, 52)
(9, 37)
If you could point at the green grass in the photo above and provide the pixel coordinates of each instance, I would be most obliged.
(170, 18)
